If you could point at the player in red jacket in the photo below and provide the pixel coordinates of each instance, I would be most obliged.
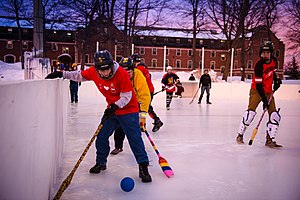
(143, 68)
(122, 109)
(261, 90)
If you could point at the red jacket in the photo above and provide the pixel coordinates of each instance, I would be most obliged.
(146, 73)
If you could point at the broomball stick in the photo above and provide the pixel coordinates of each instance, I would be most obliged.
(261, 117)
(161, 161)
(68, 180)
(194, 96)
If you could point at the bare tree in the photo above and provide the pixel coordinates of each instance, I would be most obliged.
(293, 33)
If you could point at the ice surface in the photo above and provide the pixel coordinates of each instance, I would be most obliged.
(198, 141)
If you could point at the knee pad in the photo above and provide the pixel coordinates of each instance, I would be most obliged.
(273, 124)
(248, 117)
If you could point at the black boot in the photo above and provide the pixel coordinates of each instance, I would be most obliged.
(97, 168)
(143, 173)
(207, 99)
(157, 124)
(200, 99)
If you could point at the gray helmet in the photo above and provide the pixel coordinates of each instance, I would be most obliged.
(126, 63)
(103, 60)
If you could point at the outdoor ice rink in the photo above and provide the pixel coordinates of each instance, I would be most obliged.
(198, 141)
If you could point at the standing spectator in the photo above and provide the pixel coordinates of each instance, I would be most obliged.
(74, 86)
(142, 93)
(261, 90)
(205, 84)
(122, 109)
(192, 78)
(169, 80)
(143, 68)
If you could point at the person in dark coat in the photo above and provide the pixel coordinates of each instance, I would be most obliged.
(205, 84)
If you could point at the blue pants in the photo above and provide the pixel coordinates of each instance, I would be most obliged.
(74, 91)
(131, 128)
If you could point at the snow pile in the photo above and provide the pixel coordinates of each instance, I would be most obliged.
(11, 71)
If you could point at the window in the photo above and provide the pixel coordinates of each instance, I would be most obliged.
(190, 64)
(213, 54)
(154, 62)
(200, 64)
(105, 30)
(167, 62)
(65, 49)
(54, 47)
(200, 41)
(9, 44)
(178, 63)
(223, 57)
(277, 53)
(190, 53)
(154, 51)
(235, 53)
(142, 51)
(25, 45)
(9, 30)
(212, 64)
(141, 37)
(25, 31)
(250, 52)
(177, 40)
(178, 52)
(166, 40)
(167, 52)
(249, 64)
(69, 34)
(87, 58)
(154, 39)
(9, 59)
(235, 65)
(190, 41)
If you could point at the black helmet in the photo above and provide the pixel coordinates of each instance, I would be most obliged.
(126, 63)
(136, 57)
(266, 46)
(103, 60)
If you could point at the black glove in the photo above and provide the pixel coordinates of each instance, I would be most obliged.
(56, 74)
(265, 103)
(277, 83)
(110, 111)
(163, 88)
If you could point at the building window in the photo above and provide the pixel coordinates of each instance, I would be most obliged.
(212, 64)
(69, 34)
(190, 64)
(142, 51)
(277, 53)
(9, 58)
(87, 56)
(235, 53)
(65, 49)
(167, 52)
(154, 51)
(213, 54)
(25, 45)
(177, 40)
(223, 57)
(9, 44)
(154, 62)
(54, 47)
(9, 30)
(105, 30)
(190, 41)
(178, 63)
(200, 64)
(190, 53)
(141, 37)
(167, 63)
(166, 40)
(178, 52)
(154, 39)
(25, 31)
(249, 64)
(235, 66)
(200, 41)
(250, 52)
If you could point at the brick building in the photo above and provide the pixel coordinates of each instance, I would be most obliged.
(149, 44)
